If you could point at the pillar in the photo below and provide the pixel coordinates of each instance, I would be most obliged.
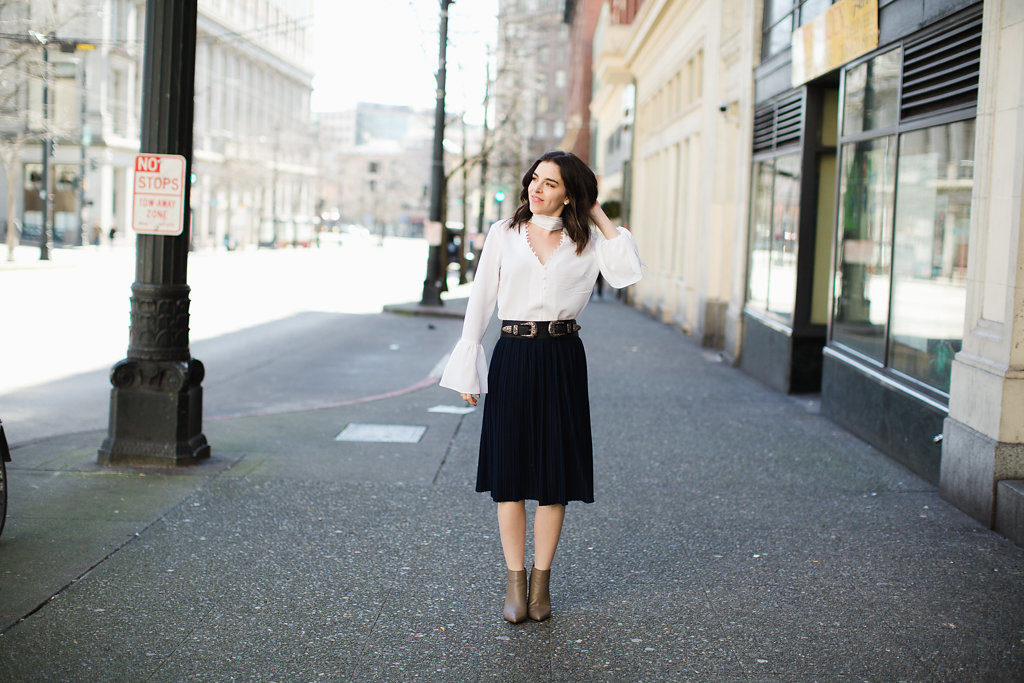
(983, 436)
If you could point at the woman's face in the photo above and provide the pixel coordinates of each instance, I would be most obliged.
(546, 191)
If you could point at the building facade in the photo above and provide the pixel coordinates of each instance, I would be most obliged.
(530, 88)
(675, 156)
(254, 157)
(884, 253)
(581, 16)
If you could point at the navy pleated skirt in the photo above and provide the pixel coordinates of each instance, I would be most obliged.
(536, 442)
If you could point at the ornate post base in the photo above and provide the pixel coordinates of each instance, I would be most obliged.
(156, 414)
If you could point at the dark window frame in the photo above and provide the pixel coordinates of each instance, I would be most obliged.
(793, 15)
(901, 127)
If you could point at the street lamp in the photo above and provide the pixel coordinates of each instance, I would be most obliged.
(44, 193)
(432, 285)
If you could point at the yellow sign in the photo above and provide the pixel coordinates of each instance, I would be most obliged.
(845, 31)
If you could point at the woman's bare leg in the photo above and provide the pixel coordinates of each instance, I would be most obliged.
(547, 527)
(512, 527)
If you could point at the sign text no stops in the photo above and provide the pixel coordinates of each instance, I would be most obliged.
(158, 194)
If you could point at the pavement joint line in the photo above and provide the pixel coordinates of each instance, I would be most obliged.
(451, 442)
(131, 538)
(369, 631)
(180, 644)
(422, 384)
(48, 437)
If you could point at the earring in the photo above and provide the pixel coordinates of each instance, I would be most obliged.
(566, 202)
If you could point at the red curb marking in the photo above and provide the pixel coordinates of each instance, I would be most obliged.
(391, 394)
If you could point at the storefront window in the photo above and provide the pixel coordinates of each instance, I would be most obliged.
(933, 213)
(774, 222)
(785, 224)
(871, 94)
(780, 18)
(865, 234)
(760, 235)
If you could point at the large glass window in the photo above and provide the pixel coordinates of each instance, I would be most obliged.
(870, 98)
(760, 235)
(865, 235)
(785, 225)
(781, 17)
(902, 226)
(774, 223)
(933, 213)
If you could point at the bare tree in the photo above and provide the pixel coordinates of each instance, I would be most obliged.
(27, 27)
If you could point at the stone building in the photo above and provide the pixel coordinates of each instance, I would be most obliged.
(530, 88)
(254, 175)
(831, 191)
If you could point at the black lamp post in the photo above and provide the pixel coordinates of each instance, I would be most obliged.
(433, 284)
(156, 404)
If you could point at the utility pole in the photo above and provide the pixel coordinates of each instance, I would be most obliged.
(484, 154)
(83, 142)
(465, 207)
(433, 284)
(156, 404)
(44, 195)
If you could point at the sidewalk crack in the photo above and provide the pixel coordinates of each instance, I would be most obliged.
(369, 632)
(133, 537)
(451, 442)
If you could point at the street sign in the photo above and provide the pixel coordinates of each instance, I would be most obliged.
(158, 194)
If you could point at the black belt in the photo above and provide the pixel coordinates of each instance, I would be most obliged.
(538, 329)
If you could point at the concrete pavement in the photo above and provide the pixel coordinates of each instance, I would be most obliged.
(737, 534)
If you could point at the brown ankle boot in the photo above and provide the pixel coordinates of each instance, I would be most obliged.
(540, 597)
(515, 596)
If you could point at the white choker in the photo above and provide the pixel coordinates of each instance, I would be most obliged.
(549, 223)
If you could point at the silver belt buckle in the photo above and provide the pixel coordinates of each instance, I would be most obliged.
(568, 328)
(533, 329)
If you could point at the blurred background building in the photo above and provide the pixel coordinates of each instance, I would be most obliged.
(254, 173)
(530, 88)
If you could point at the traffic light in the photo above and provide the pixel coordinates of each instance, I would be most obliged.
(499, 196)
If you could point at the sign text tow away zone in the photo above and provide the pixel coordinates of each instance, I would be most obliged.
(158, 194)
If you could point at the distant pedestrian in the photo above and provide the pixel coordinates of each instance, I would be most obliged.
(539, 267)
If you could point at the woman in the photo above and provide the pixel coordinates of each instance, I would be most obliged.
(539, 267)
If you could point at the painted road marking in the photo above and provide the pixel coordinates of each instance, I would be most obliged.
(381, 433)
(452, 410)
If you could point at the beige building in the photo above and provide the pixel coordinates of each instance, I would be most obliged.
(982, 467)
(689, 64)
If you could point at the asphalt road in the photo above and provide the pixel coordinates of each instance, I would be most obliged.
(258, 322)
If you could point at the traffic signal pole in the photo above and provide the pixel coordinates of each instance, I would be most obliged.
(156, 404)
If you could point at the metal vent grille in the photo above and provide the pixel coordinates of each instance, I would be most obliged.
(940, 72)
(764, 128)
(779, 124)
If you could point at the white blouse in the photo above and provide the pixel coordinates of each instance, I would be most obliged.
(510, 274)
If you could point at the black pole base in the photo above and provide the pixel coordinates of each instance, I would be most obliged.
(156, 414)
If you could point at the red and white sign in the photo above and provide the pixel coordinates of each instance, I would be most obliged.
(158, 194)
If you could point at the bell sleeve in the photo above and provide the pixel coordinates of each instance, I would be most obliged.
(619, 259)
(466, 371)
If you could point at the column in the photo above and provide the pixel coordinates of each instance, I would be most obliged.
(983, 437)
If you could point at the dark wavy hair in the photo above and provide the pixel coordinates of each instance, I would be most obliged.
(580, 189)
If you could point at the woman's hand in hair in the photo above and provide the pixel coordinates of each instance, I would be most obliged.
(469, 398)
(603, 223)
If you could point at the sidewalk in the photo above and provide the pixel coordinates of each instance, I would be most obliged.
(737, 534)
